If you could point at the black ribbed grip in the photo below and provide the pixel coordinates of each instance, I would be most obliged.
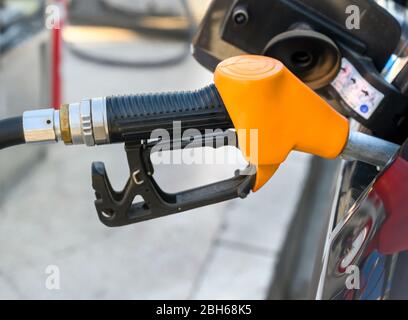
(132, 118)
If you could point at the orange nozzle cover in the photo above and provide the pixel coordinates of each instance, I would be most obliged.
(274, 113)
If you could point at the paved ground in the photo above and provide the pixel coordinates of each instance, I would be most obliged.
(223, 251)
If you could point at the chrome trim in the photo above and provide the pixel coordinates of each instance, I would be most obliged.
(331, 226)
(365, 212)
(392, 73)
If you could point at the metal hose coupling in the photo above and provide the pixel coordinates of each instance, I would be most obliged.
(75, 123)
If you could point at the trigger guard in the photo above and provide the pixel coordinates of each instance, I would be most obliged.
(117, 208)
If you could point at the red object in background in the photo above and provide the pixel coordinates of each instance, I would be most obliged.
(56, 77)
(392, 188)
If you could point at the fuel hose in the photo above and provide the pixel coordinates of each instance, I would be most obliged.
(11, 132)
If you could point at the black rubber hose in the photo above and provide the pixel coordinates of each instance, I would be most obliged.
(11, 132)
(186, 35)
(132, 118)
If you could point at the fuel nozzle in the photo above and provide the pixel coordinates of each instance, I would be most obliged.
(250, 92)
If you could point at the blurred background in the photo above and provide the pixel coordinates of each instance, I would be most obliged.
(108, 47)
